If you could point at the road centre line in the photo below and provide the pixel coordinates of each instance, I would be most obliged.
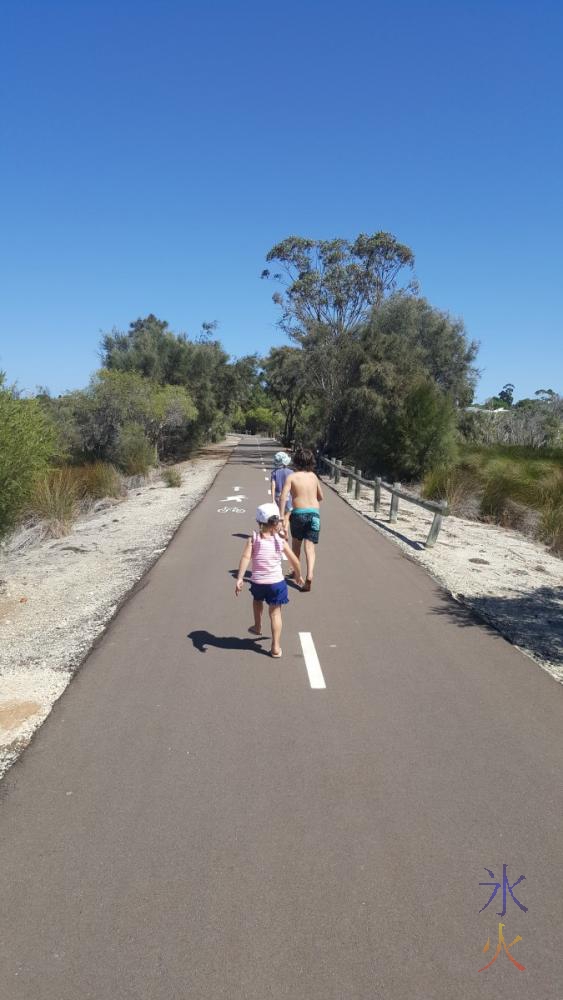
(316, 679)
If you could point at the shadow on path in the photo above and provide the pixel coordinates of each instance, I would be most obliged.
(418, 546)
(533, 621)
(202, 639)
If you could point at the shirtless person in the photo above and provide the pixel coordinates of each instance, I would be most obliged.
(305, 519)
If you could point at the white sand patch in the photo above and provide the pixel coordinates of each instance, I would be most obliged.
(514, 583)
(57, 595)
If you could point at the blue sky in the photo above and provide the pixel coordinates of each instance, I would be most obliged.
(152, 153)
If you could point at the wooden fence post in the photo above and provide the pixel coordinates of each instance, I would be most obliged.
(337, 471)
(436, 525)
(350, 483)
(394, 508)
(358, 484)
(377, 493)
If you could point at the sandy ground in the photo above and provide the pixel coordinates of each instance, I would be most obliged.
(513, 583)
(57, 595)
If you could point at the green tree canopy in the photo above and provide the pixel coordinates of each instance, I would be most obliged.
(27, 443)
(335, 283)
(92, 420)
(200, 366)
(286, 381)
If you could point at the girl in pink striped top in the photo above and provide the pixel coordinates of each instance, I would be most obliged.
(268, 584)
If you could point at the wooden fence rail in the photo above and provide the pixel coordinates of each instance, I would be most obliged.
(355, 481)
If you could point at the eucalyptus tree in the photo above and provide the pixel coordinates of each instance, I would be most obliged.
(329, 288)
(335, 283)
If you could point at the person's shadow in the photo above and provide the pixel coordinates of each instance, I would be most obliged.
(202, 639)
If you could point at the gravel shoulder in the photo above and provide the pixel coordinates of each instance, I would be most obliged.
(513, 583)
(58, 595)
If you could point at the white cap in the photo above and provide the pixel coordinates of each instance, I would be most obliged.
(266, 511)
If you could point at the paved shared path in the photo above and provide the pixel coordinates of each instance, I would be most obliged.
(198, 821)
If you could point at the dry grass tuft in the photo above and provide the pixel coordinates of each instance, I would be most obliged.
(56, 500)
(172, 476)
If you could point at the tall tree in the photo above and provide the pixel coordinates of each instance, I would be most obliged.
(286, 381)
(507, 394)
(152, 349)
(335, 283)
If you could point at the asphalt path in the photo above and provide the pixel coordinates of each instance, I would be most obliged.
(195, 820)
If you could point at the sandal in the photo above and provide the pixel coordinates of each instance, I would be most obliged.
(252, 630)
(276, 656)
(307, 586)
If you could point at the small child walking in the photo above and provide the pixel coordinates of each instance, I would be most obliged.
(280, 472)
(268, 584)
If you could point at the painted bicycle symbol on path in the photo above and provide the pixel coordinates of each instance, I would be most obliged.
(232, 510)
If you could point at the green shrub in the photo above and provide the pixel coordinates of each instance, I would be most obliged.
(419, 431)
(172, 476)
(498, 491)
(551, 527)
(98, 480)
(549, 490)
(454, 483)
(55, 499)
(27, 442)
(134, 453)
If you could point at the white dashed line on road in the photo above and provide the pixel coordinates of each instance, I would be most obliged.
(316, 679)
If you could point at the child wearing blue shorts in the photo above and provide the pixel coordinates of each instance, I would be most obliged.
(265, 549)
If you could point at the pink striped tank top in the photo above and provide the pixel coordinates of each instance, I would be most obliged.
(266, 558)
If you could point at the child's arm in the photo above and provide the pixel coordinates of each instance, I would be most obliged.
(273, 488)
(295, 563)
(243, 566)
(319, 491)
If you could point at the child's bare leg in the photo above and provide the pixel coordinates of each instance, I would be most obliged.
(276, 624)
(296, 549)
(257, 608)
(310, 556)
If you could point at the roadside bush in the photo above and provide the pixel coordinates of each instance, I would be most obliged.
(134, 453)
(172, 476)
(94, 422)
(498, 490)
(549, 490)
(55, 500)
(551, 523)
(454, 483)
(551, 527)
(27, 442)
(98, 480)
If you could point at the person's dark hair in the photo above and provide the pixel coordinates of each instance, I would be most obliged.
(304, 460)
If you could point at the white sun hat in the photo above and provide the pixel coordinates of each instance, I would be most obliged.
(266, 511)
(281, 458)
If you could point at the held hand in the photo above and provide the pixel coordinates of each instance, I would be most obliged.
(299, 580)
(238, 587)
